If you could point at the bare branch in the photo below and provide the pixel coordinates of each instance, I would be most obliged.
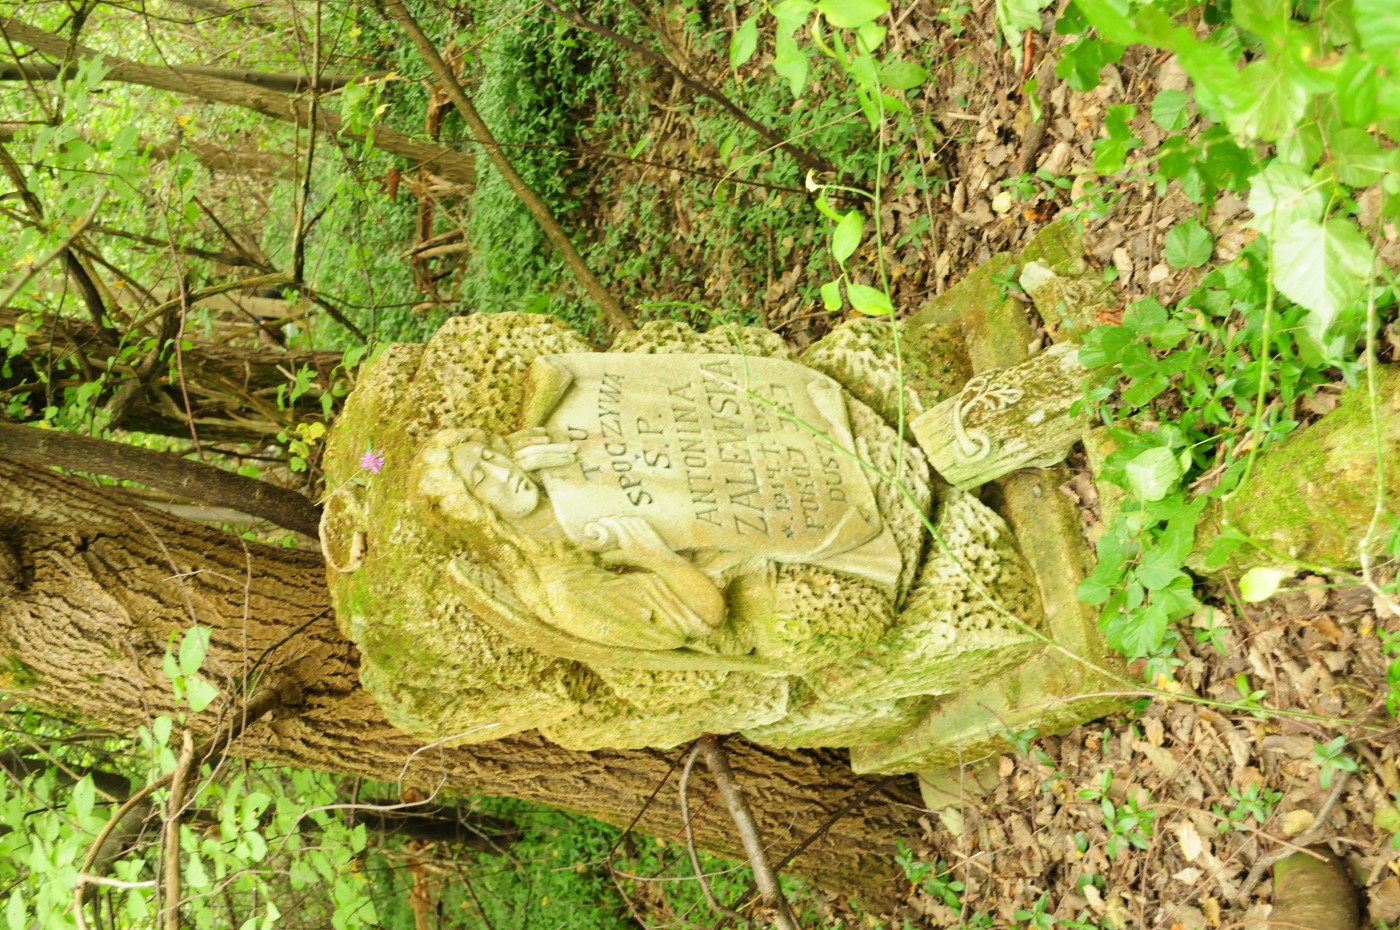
(268, 80)
(763, 874)
(279, 506)
(449, 164)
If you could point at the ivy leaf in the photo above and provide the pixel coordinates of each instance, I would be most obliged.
(1189, 245)
(1152, 475)
(1284, 194)
(1322, 266)
(744, 42)
(846, 238)
(869, 300)
(1260, 584)
(852, 14)
(1269, 102)
(902, 75)
(1171, 109)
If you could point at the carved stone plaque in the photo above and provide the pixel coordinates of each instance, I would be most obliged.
(719, 453)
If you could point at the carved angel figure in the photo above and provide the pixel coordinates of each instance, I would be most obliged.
(657, 600)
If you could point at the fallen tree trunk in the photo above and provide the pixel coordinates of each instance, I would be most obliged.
(93, 585)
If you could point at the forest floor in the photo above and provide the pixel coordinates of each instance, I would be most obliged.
(1166, 817)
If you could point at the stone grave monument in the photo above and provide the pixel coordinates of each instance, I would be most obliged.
(704, 533)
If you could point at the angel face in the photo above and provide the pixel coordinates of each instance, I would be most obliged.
(496, 480)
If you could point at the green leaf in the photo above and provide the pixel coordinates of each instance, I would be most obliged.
(1189, 245)
(1357, 90)
(1226, 545)
(195, 874)
(1141, 632)
(193, 646)
(1152, 475)
(1283, 194)
(16, 913)
(1260, 584)
(1157, 569)
(852, 14)
(1379, 22)
(1082, 60)
(743, 43)
(846, 238)
(792, 13)
(1359, 159)
(1324, 267)
(869, 300)
(1110, 154)
(870, 37)
(831, 296)
(1171, 109)
(790, 62)
(1268, 19)
(1017, 17)
(84, 794)
(200, 693)
(902, 75)
(1269, 100)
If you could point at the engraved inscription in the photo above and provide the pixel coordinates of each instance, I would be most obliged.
(709, 449)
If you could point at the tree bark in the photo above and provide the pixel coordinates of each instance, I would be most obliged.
(449, 164)
(233, 392)
(93, 585)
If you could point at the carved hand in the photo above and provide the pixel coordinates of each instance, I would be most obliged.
(532, 450)
(637, 542)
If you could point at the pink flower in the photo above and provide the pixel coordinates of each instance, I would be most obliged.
(372, 461)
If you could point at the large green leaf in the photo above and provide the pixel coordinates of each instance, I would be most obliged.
(1270, 101)
(846, 238)
(1151, 475)
(1378, 22)
(1268, 19)
(852, 14)
(744, 42)
(1358, 157)
(1189, 245)
(1284, 194)
(790, 61)
(1324, 267)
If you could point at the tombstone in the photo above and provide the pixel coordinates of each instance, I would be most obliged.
(690, 533)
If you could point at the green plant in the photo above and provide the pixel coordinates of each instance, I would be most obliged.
(1256, 802)
(1390, 645)
(1252, 698)
(1331, 757)
(1129, 824)
(1036, 917)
